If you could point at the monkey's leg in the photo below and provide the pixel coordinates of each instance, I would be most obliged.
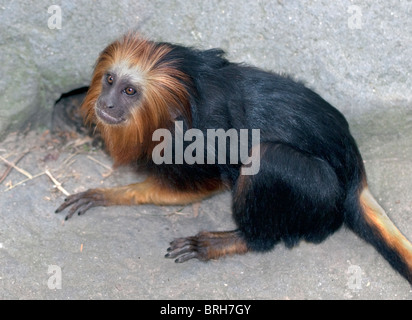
(148, 191)
(293, 196)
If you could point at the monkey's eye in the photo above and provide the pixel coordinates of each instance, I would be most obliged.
(129, 91)
(109, 79)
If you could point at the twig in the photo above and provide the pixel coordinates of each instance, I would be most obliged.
(105, 174)
(101, 163)
(9, 167)
(23, 181)
(6, 173)
(78, 142)
(22, 171)
(56, 183)
(66, 161)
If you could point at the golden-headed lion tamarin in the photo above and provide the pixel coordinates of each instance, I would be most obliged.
(311, 178)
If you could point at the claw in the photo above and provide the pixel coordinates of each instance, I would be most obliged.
(185, 249)
(81, 202)
(207, 245)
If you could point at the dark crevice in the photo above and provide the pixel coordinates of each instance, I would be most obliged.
(67, 122)
(78, 91)
(66, 116)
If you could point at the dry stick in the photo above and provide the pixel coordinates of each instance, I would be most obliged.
(47, 172)
(9, 167)
(105, 174)
(13, 165)
(22, 171)
(56, 183)
(5, 174)
(28, 175)
(66, 161)
(23, 181)
(101, 163)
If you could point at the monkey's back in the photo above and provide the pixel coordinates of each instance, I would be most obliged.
(229, 95)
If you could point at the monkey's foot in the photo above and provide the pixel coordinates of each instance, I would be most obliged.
(207, 245)
(81, 202)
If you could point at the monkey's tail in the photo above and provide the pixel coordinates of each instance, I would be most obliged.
(375, 227)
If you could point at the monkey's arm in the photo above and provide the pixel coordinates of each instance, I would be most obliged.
(149, 191)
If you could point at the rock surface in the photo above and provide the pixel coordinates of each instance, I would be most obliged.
(357, 57)
(117, 252)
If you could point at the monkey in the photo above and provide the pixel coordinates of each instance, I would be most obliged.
(311, 179)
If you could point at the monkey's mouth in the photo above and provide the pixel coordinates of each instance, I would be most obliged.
(107, 118)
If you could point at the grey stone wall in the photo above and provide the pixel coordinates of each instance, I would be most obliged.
(356, 54)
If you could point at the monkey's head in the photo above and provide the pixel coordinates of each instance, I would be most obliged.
(136, 88)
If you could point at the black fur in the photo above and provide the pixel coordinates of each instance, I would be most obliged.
(310, 170)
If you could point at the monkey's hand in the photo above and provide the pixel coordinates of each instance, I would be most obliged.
(207, 245)
(83, 201)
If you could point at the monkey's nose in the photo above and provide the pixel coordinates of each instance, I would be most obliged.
(110, 107)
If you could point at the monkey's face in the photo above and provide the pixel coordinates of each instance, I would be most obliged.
(137, 88)
(119, 95)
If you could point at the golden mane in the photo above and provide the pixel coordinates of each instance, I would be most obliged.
(164, 96)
